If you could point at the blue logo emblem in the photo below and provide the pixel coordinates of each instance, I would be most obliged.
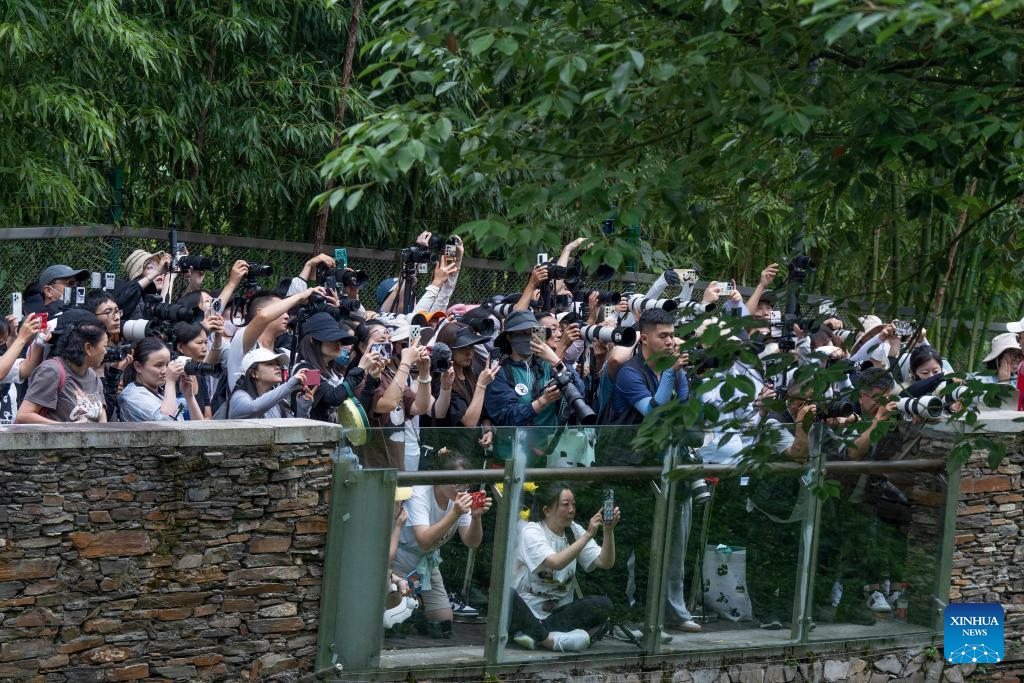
(973, 632)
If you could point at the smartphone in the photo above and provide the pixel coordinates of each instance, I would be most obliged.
(479, 499)
(312, 378)
(538, 335)
(16, 305)
(727, 288)
(449, 250)
(79, 296)
(542, 258)
(96, 280)
(65, 296)
(609, 311)
(415, 584)
(384, 350)
(421, 268)
(43, 318)
(216, 307)
(108, 280)
(341, 258)
(331, 283)
(414, 334)
(608, 511)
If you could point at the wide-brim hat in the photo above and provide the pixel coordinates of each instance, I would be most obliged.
(870, 326)
(135, 264)
(1007, 341)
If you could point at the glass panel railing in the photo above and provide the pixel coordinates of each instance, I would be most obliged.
(706, 556)
(879, 562)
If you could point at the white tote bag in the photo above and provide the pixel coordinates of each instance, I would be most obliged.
(725, 582)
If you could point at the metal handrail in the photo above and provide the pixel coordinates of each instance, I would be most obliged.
(601, 474)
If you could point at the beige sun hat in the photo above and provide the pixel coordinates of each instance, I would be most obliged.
(135, 264)
(1007, 341)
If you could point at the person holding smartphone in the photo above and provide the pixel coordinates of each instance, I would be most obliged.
(324, 353)
(14, 369)
(152, 381)
(261, 391)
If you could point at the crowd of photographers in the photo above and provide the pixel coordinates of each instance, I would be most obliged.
(152, 344)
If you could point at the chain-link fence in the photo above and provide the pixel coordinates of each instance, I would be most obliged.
(25, 252)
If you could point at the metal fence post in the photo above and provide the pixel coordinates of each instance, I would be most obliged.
(499, 607)
(661, 537)
(803, 602)
(355, 568)
(945, 575)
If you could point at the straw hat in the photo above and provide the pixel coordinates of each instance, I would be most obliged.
(135, 264)
(871, 325)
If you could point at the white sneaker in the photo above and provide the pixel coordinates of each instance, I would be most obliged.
(524, 641)
(894, 597)
(626, 634)
(877, 603)
(837, 593)
(688, 626)
(573, 641)
(399, 613)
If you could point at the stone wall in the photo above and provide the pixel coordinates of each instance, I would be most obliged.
(162, 552)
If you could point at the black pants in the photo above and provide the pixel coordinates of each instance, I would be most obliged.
(586, 613)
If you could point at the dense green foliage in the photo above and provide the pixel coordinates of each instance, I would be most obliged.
(890, 134)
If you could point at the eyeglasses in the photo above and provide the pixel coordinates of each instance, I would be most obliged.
(111, 312)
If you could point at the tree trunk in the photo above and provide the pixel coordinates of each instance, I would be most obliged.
(320, 227)
(211, 54)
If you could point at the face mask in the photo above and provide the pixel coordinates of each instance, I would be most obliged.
(881, 352)
(522, 347)
(344, 357)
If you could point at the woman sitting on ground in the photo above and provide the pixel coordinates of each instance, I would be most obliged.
(544, 613)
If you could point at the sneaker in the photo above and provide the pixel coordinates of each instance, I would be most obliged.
(524, 641)
(771, 623)
(573, 641)
(688, 626)
(462, 611)
(399, 613)
(893, 597)
(877, 603)
(626, 634)
(837, 593)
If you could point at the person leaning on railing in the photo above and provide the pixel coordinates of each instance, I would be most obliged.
(65, 387)
(551, 546)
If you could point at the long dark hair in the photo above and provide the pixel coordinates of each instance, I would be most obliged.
(141, 352)
(70, 346)
(467, 386)
(546, 496)
(309, 354)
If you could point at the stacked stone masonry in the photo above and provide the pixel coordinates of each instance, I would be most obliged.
(146, 553)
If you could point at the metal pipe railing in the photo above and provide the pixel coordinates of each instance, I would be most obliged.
(603, 474)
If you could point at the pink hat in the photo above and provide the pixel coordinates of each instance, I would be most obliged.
(461, 309)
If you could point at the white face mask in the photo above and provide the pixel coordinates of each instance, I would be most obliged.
(880, 352)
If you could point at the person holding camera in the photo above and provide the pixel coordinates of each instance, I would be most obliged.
(392, 291)
(528, 387)
(147, 274)
(65, 387)
(192, 344)
(435, 514)
(266, 318)
(151, 384)
(260, 391)
(1001, 365)
(551, 547)
(13, 367)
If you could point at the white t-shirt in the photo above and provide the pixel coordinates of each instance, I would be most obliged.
(423, 511)
(535, 583)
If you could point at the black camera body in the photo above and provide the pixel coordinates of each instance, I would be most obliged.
(333, 278)
(578, 407)
(117, 352)
(155, 309)
(260, 269)
(440, 358)
(195, 368)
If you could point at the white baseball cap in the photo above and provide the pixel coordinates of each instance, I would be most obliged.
(262, 355)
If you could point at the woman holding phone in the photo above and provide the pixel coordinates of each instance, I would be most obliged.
(260, 391)
(459, 392)
(325, 353)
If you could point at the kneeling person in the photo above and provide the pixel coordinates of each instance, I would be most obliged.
(543, 610)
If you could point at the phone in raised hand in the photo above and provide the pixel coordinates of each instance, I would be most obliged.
(108, 281)
(608, 511)
(16, 309)
(312, 378)
(341, 258)
(542, 258)
(96, 279)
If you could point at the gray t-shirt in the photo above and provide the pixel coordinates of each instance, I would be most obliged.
(79, 400)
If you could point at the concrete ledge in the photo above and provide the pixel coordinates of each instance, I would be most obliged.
(989, 422)
(213, 434)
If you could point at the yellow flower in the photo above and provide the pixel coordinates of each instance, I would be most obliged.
(524, 515)
(530, 487)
